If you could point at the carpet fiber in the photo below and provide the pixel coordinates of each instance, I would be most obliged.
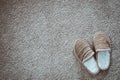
(37, 38)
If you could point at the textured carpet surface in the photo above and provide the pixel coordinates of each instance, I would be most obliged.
(37, 37)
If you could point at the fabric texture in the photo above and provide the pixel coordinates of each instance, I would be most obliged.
(83, 50)
(37, 37)
(101, 42)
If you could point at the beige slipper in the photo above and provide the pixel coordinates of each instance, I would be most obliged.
(84, 54)
(102, 48)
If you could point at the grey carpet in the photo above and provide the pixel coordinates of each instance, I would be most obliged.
(37, 37)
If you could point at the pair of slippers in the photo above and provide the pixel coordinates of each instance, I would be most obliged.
(93, 61)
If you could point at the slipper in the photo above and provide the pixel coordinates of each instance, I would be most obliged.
(102, 48)
(84, 54)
